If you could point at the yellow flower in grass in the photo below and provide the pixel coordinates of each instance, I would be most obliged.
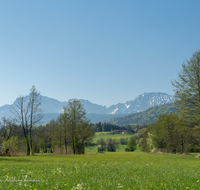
(197, 181)
(65, 184)
(187, 187)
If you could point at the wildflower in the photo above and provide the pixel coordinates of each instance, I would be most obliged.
(187, 187)
(197, 181)
(65, 184)
(161, 183)
(119, 186)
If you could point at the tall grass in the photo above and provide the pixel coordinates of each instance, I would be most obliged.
(116, 170)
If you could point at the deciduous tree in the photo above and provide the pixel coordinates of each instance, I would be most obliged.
(187, 90)
(36, 112)
(27, 112)
(78, 126)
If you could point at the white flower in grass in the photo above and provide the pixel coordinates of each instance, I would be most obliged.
(78, 187)
(119, 186)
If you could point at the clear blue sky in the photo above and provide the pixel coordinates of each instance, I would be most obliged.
(103, 51)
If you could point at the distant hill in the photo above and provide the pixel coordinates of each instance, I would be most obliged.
(148, 116)
(95, 118)
(98, 113)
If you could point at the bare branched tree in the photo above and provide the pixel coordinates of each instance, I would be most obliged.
(7, 128)
(36, 112)
(28, 112)
(22, 117)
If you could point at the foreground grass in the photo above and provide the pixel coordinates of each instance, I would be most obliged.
(119, 170)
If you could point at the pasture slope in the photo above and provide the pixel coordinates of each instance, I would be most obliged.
(116, 170)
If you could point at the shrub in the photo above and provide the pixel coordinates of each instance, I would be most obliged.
(53, 144)
(101, 145)
(123, 141)
(131, 145)
(151, 142)
(11, 146)
(41, 145)
(111, 145)
(195, 149)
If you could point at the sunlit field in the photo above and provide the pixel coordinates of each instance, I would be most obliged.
(116, 170)
(105, 135)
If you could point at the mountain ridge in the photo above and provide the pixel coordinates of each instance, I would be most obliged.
(140, 103)
(145, 117)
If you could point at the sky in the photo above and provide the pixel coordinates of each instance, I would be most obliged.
(102, 51)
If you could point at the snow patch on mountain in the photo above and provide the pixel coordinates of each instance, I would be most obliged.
(114, 111)
(127, 106)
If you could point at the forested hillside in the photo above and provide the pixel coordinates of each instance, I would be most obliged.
(148, 116)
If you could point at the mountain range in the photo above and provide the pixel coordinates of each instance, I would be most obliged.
(96, 113)
(145, 117)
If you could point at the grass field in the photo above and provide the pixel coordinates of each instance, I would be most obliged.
(105, 135)
(93, 149)
(116, 170)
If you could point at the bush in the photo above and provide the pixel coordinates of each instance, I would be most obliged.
(101, 145)
(131, 145)
(11, 146)
(195, 149)
(111, 145)
(41, 145)
(140, 142)
(123, 141)
(53, 144)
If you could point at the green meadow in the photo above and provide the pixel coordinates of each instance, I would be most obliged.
(115, 170)
(106, 135)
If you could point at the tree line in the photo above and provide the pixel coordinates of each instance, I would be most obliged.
(71, 130)
(169, 134)
(103, 127)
